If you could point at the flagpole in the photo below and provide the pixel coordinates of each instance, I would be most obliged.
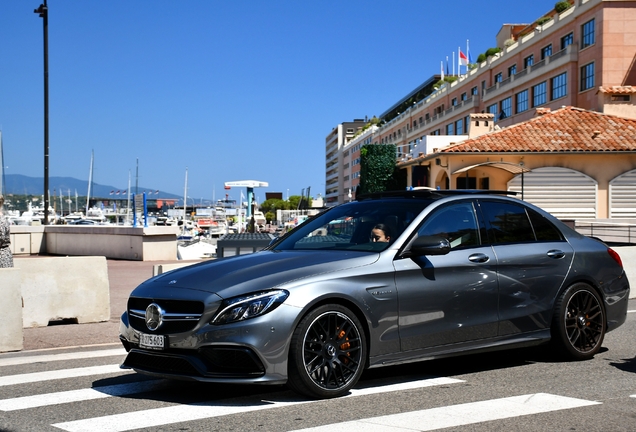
(453, 64)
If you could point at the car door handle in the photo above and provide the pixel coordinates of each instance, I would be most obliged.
(556, 254)
(479, 258)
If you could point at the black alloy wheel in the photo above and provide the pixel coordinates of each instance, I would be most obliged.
(327, 353)
(579, 325)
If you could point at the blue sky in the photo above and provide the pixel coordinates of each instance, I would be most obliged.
(241, 90)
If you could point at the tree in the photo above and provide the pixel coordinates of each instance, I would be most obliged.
(378, 171)
(271, 205)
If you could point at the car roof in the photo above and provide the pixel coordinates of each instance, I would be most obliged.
(430, 194)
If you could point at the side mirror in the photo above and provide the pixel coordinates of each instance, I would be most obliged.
(428, 245)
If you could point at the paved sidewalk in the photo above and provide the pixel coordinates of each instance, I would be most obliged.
(123, 277)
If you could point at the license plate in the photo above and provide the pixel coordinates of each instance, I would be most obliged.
(155, 342)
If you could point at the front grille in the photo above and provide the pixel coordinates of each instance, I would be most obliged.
(181, 315)
(222, 362)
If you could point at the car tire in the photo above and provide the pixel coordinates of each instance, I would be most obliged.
(578, 324)
(327, 353)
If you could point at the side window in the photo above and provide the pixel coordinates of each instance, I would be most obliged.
(455, 222)
(543, 228)
(507, 222)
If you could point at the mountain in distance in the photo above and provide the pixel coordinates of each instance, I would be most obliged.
(18, 184)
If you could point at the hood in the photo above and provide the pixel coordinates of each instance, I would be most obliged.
(229, 277)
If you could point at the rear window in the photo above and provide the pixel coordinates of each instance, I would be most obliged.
(513, 223)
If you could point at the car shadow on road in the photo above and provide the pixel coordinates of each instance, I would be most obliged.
(471, 363)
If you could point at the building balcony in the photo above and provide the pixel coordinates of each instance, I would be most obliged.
(545, 67)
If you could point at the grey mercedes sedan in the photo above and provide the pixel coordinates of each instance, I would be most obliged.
(390, 278)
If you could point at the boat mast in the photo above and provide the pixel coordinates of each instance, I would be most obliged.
(90, 181)
(185, 197)
(128, 202)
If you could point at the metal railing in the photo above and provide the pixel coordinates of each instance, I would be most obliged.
(610, 232)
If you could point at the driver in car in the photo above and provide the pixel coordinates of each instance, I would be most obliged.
(380, 233)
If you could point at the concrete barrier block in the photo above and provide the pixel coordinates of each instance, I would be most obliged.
(11, 335)
(60, 288)
(163, 268)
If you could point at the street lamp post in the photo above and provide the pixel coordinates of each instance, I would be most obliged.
(43, 12)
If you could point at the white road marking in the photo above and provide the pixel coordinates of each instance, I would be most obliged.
(459, 415)
(12, 361)
(183, 413)
(60, 374)
(57, 398)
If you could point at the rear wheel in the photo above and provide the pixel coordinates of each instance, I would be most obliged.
(327, 352)
(578, 325)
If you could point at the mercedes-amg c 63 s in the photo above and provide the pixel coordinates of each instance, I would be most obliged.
(389, 278)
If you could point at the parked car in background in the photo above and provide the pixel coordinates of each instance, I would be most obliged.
(463, 271)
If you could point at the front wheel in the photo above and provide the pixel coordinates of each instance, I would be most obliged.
(578, 325)
(327, 352)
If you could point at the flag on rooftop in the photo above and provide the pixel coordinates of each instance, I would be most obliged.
(463, 60)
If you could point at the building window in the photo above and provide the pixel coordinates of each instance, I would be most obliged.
(463, 96)
(539, 94)
(587, 76)
(506, 108)
(498, 77)
(492, 109)
(522, 101)
(620, 98)
(559, 86)
(459, 127)
(528, 61)
(449, 129)
(546, 51)
(454, 102)
(427, 116)
(566, 40)
(512, 70)
(587, 30)
(473, 91)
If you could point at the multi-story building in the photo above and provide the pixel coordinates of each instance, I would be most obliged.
(335, 161)
(561, 62)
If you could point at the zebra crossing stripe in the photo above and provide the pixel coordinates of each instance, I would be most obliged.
(80, 395)
(60, 374)
(460, 415)
(182, 413)
(12, 361)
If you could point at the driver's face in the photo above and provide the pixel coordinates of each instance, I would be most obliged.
(377, 235)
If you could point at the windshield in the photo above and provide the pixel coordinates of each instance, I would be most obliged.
(360, 226)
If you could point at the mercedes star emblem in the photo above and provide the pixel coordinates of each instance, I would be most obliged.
(154, 316)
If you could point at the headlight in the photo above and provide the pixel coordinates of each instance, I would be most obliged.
(249, 306)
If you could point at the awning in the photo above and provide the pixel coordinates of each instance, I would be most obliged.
(507, 166)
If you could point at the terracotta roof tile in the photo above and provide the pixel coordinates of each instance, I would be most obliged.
(618, 89)
(567, 129)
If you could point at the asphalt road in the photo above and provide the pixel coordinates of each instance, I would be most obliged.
(520, 390)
